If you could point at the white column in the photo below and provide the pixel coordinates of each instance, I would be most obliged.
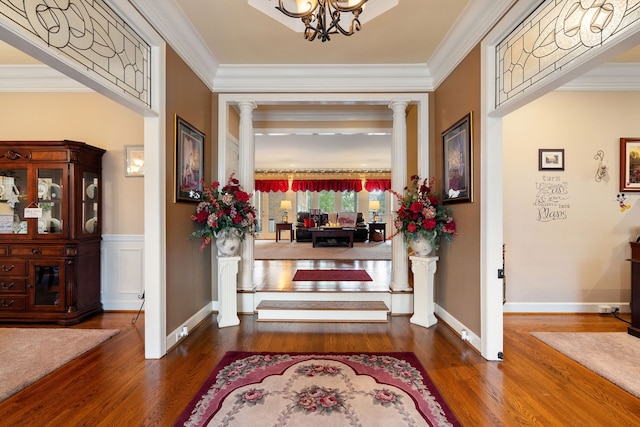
(246, 178)
(399, 261)
(424, 307)
(227, 272)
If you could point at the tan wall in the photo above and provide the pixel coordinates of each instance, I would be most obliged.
(94, 119)
(581, 256)
(458, 274)
(188, 270)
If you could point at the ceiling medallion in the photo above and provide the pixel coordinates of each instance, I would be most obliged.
(321, 18)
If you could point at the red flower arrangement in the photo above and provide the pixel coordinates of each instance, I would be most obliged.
(422, 215)
(223, 210)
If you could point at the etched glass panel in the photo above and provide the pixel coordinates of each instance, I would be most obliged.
(556, 36)
(91, 34)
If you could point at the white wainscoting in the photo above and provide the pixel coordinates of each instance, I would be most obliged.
(122, 268)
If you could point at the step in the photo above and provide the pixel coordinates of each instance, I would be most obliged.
(322, 311)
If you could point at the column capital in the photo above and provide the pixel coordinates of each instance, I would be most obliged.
(399, 106)
(247, 106)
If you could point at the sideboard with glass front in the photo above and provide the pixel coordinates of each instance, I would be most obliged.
(50, 231)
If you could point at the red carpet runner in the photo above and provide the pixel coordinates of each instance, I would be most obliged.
(322, 389)
(331, 276)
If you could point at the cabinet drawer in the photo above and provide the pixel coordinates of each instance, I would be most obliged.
(13, 267)
(36, 250)
(14, 286)
(13, 303)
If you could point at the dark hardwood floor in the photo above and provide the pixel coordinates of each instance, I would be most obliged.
(113, 385)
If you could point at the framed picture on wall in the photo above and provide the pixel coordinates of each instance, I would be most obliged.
(551, 159)
(134, 160)
(457, 166)
(630, 164)
(189, 155)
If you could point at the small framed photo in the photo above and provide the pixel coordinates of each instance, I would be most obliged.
(134, 160)
(458, 160)
(550, 159)
(630, 164)
(189, 155)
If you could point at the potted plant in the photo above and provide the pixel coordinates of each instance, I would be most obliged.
(421, 218)
(224, 213)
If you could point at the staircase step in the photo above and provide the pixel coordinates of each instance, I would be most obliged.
(322, 311)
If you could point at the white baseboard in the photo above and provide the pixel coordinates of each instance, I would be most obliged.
(562, 307)
(190, 324)
(458, 327)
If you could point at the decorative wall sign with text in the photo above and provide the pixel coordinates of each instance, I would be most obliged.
(552, 197)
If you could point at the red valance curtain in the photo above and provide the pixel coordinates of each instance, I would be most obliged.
(378, 184)
(326, 184)
(272, 185)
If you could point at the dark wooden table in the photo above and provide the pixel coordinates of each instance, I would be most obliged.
(329, 233)
(284, 226)
(378, 226)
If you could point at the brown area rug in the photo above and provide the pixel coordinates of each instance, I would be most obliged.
(614, 356)
(27, 354)
(276, 389)
(331, 275)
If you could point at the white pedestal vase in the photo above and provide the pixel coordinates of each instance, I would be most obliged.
(227, 291)
(421, 247)
(424, 307)
(228, 242)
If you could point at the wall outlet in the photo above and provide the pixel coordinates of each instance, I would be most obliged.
(182, 333)
(604, 309)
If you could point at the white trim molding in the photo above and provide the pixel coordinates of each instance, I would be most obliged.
(122, 272)
(323, 78)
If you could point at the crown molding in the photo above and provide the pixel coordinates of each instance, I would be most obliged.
(170, 21)
(37, 78)
(467, 32)
(323, 78)
(611, 77)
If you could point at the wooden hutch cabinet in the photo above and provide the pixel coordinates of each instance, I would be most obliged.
(50, 231)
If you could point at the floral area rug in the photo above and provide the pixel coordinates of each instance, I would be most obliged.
(275, 389)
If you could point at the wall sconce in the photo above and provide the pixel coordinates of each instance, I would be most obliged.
(286, 205)
(374, 205)
(601, 172)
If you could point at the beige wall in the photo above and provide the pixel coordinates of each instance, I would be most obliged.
(579, 259)
(458, 274)
(189, 271)
(94, 119)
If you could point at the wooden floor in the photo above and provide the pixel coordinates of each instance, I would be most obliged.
(275, 276)
(113, 385)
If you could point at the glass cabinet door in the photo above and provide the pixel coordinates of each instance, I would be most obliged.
(50, 197)
(13, 196)
(48, 285)
(90, 200)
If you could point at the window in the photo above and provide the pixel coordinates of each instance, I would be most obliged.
(304, 201)
(327, 201)
(349, 201)
(257, 200)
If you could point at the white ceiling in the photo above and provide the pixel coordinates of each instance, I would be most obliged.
(238, 33)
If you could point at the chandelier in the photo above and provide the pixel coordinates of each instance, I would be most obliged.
(321, 18)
